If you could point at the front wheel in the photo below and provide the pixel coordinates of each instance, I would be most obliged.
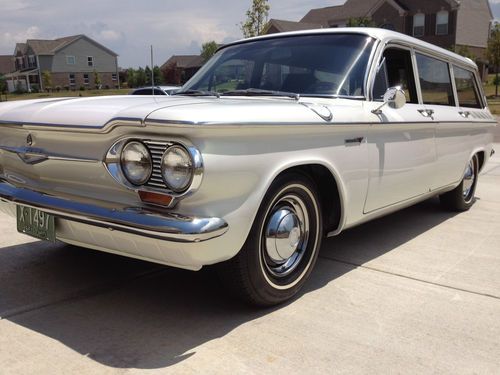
(462, 197)
(283, 244)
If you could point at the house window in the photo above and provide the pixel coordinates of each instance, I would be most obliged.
(113, 76)
(419, 24)
(31, 61)
(442, 23)
(86, 78)
(70, 60)
(90, 60)
(72, 79)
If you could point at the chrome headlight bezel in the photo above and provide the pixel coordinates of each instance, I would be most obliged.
(146, 163)
(186, 162)
(113, 165)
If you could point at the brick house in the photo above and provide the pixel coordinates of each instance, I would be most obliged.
(446, 23)
(6, 64)
(178, 69)
(71, 62)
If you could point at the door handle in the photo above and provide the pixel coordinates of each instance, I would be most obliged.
(354, 141)
(426, 112)
(464, 114)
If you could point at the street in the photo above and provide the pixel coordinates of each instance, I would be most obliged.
(414, 292)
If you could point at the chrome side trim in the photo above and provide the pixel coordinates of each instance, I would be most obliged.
(135, 220)
(31, 155)
(108, 126)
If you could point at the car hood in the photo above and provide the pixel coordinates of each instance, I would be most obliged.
(97, 112)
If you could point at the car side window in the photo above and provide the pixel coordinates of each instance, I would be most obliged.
(435, 81)
(395, 70)
(466, 88)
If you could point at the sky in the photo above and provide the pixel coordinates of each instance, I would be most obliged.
(129, 27)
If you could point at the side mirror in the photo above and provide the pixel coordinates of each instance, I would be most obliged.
(394, 97)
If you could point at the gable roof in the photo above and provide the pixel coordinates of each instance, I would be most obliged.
(185, 61)
(284, 26)
(6, 64)
(52, 46)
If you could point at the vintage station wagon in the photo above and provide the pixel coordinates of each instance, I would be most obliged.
(275, 143)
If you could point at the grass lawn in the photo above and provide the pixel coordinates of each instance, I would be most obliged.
(64, 93)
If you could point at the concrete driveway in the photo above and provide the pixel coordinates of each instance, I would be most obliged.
(414, 292)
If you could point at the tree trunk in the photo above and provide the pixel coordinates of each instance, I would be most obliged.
(496, 83)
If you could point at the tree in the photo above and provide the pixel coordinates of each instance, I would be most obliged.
(463, 51)
(208, 49)
(140, 77)
(256, 18)
(493, 52)
(360, 22)
(157, 75)
(97, 80)
(47, 80)
(147, 73)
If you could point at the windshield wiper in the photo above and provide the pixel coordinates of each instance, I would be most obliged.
(198, 93)
(261, 92)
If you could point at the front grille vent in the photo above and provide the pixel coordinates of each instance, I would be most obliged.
(157, 149)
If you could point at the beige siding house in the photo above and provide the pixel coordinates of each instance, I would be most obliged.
(72, 62)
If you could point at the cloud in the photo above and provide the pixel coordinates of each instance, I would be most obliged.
(9, 39)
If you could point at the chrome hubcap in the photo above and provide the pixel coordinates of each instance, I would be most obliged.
(468, 183)
(285, 236)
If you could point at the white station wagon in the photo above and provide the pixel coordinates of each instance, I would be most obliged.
(275, 143)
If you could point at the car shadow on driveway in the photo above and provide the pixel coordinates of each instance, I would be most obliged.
(125, 313)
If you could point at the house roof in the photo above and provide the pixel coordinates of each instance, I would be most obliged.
(6, 64)
(51, 46)
(350, 9)
(284, 26)
(185, 61)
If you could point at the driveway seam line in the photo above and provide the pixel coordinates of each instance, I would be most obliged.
(411, 278)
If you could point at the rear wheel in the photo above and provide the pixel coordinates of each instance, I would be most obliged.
(462, 197)
(283, 244)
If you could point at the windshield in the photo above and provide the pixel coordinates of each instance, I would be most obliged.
(308, 65)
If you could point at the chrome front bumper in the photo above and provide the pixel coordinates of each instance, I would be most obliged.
(139, 221)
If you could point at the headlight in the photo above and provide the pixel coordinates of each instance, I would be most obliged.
(177, 168)
(136, 163)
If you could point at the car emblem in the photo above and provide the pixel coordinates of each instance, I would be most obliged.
(29, 140)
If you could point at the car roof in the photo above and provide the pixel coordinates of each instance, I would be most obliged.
(382, 35)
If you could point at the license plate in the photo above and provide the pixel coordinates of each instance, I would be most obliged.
(36, 223)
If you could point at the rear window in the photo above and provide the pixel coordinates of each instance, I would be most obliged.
(435, 81)
(466, 88)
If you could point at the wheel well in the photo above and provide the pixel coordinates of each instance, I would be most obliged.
(327, 190)
(480, 157)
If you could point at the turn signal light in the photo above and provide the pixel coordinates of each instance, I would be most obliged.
(155, 198)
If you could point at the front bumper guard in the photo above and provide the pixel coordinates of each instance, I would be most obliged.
(135, 220)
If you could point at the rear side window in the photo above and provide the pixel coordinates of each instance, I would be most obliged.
(466, 88)
(435, 81)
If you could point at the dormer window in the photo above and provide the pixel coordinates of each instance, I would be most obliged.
(442, 23)
(419, 24)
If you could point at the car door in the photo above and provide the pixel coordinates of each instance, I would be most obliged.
(401, 142)
(453, 146)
